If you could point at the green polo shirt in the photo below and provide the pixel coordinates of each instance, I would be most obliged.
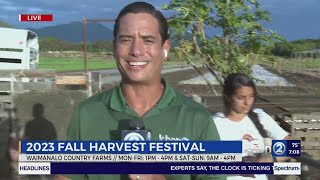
(174, 117)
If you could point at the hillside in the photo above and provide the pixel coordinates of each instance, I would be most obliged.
(72, 32)
(4, 24)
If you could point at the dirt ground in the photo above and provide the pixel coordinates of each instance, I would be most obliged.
(59, 104)
(306, 84)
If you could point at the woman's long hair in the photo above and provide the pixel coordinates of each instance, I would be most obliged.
(232, 83)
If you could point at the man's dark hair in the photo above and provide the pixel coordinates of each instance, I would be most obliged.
(143, 7)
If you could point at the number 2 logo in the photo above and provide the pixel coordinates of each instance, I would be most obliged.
(279, 148)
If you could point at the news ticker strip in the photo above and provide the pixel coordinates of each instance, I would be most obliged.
(28, 168)
(35, 17)
(130, 157)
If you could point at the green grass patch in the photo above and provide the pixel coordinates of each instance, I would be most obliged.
(60, 64)
(298, 64)
(312, 63)
(293, 64)
(174, 63)
(74, 64)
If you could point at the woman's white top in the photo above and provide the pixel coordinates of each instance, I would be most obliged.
(232, 130)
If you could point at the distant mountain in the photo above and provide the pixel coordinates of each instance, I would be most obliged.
(72, 32)
(4, 24)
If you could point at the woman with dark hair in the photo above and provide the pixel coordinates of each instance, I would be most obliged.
(240, 121)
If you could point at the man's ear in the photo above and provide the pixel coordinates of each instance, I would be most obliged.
(166, 49)
(165, 53)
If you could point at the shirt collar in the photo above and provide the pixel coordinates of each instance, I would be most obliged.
(117, 101)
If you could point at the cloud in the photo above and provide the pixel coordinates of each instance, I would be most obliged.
(66, 10)
(35, 10)
(107, 9)
(279, 5)
(285, 13)
(4, 17)
(83, 5)
(4, 2)
(10, 8)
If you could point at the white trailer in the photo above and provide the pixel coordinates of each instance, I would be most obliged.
(19, 49)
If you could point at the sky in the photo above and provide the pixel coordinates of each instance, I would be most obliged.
(293, 19)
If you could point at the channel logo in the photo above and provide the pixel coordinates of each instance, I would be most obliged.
(279, 148)
(133, 136)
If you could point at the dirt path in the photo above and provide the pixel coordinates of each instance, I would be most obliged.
(305, 84)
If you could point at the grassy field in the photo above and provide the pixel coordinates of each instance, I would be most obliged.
(76, 64)
(303, 63)
(292, 65)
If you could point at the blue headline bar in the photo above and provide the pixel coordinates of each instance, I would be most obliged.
(123, 147)
(162, 168)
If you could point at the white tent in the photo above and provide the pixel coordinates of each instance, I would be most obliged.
(19, 49)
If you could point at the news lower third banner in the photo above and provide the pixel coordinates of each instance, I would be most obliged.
(118, 147)
(151, 157)
(159, 168)
(279, 148)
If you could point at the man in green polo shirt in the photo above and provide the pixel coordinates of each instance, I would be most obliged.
(141, 46)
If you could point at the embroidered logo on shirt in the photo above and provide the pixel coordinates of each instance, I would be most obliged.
(167, 138)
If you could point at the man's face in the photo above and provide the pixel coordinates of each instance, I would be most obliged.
(138, 48)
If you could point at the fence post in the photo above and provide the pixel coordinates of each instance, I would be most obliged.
(89, 82)
(99, 82)
(12, 79)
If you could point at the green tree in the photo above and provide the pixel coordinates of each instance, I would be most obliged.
(285, 49)
(54, 44)
(233, 21)
(102, 46)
